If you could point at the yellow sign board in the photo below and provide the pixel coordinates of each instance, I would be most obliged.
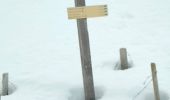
(87, 11)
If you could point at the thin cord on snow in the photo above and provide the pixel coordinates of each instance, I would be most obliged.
(145, 85)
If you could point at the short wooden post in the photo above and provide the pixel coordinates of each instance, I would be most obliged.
(155, 81)
(123, 59)
(5, 84)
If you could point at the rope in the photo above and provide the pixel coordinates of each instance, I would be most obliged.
(147, 81)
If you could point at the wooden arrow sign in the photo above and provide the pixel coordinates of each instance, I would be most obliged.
(87, 11)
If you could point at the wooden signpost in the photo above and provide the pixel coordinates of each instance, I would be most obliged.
(81, 12)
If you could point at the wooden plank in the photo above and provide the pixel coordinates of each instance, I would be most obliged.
(155, 81)
(5, 84)
(123, 59)
(87, 11)
(85, 55)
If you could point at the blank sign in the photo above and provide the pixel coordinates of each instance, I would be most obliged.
(87, 11)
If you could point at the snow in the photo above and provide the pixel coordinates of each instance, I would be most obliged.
(40, 50)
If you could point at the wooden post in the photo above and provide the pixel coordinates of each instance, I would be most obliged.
(123, 59)
(155, 81)
(85, 55)
(5, 84)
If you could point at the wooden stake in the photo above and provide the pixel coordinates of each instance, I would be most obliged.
(155, 81)
(5, 84)
(85, 55)
(123, 59)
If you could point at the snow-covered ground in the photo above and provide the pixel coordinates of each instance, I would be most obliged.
(40, 51)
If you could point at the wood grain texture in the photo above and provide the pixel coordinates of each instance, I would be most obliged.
(5, 84)
(123, 59)
(155, 81)
(85, 55)
(87, 11)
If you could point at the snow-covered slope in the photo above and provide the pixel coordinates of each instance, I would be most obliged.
(39, 48)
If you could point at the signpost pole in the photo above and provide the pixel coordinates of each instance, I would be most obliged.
(85, 55)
